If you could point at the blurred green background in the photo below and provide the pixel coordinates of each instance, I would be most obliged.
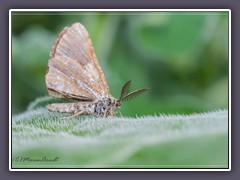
(181, 56)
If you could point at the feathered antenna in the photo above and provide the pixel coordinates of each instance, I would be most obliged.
(133, 94)
(125, 96)
(125, 89)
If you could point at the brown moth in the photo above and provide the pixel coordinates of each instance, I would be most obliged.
(74, 73)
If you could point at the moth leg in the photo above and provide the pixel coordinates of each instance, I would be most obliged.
(105, 113)
(109, 112)
(119, 112)
(112, 113)
(74, 115)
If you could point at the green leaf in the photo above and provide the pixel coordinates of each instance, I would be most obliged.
(164, 141)
(170, 34)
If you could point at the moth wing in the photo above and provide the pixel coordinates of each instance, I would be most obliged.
(63, 80)
(73, 59)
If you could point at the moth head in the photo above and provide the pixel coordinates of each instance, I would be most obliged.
(118, 103)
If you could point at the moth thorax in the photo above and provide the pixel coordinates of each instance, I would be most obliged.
(103, 105)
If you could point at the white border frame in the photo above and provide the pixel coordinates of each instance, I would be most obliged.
(120, 10)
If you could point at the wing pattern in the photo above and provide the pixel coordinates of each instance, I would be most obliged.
(73, 69)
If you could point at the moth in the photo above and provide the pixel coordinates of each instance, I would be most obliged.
(74, 73)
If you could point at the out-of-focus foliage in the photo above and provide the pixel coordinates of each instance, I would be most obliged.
(181, 56)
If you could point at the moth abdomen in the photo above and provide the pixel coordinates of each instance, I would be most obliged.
(61, 107)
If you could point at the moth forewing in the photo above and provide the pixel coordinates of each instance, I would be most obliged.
(66, 77)
(52, 53)
(73, 56)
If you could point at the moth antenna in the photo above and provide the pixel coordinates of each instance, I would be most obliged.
(133, 94)
(125, 89)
